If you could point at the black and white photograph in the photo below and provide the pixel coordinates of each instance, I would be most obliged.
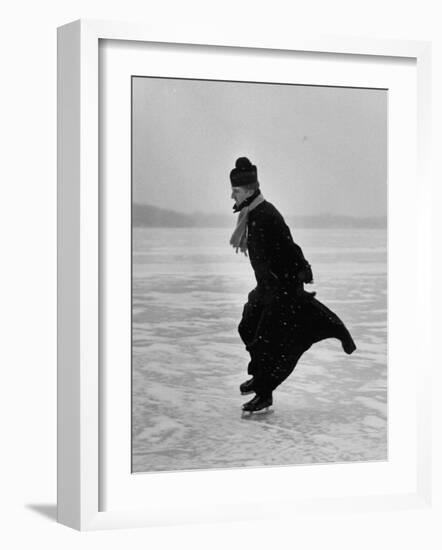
(221, 270)
(259, 274)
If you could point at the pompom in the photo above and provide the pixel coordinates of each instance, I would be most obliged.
(243, 163)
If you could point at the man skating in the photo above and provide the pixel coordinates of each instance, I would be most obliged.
(280, 320)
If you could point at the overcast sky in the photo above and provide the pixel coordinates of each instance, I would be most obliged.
(317, 149)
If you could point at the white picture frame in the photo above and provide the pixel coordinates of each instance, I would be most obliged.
(79, 274)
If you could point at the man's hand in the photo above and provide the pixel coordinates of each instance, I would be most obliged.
(305, 275)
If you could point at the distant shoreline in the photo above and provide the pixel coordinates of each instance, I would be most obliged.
(144, 215)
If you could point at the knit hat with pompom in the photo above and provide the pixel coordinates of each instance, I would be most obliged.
(244, 173)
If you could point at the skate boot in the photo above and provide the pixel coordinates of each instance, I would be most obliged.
(246, 387)
(258, 403)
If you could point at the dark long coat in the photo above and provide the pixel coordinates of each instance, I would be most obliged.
(280, 320)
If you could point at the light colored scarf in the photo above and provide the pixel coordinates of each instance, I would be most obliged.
(239, 236)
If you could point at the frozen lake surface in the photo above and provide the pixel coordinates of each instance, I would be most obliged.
(189, 288)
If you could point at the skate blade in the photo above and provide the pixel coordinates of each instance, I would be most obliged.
(266, 410)
(247, 392)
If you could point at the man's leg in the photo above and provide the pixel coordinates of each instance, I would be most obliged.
(269, 377)
(248, 325)
(279, 343)
(250, 318)
(272, 369)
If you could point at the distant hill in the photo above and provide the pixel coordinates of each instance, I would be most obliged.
(145, 215)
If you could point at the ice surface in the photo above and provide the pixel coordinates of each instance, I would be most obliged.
(189, 288)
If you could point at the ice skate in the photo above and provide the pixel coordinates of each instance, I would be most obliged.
(258, 404)
(246, 387)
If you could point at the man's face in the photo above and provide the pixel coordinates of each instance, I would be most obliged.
(239, 195)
